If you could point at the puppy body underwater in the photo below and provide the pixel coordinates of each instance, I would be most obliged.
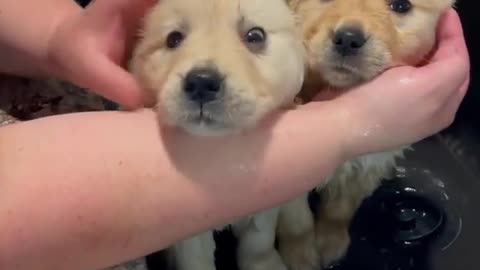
(217, 67)
(350, 42)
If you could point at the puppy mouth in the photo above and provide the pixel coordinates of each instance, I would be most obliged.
(352, 70)
(343, 72)
(217, 118)
(203, 115)
(345, 68)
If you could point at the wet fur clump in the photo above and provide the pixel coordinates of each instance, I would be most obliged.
(350, 42)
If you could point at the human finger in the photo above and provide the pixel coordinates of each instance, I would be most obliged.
(108, 79)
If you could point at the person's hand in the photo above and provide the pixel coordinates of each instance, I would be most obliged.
(91, 48)
(407, 104)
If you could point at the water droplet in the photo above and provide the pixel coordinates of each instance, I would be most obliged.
(410, 189)
(368, 131)
(243, 168)
(438, 182)
(406, 80)
(401, 172)
(426, 171)
(407, 243)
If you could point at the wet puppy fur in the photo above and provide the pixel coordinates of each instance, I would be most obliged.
(218, 67)
(350, 42)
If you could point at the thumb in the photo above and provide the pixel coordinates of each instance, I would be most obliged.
(113, 82)
(107, 77)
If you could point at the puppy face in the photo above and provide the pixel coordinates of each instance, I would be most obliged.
(217, 66)
(352, 41)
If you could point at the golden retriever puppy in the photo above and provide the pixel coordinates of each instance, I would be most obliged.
(349, 42)
(217, 67)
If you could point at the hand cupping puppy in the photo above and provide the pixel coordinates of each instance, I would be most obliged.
(407, 104)
(91, 48)
(349, 46)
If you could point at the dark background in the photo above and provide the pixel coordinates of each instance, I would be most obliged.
(469, 14)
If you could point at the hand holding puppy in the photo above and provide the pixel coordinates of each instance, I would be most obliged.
(407, 104)
(90, 48)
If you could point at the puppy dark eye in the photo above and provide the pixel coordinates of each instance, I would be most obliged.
(174, 39)
(400, 6)
(255, 39)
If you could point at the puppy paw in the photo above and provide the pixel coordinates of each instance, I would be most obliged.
(270, 261)
(298, 101)
(331, 245)
(299, 253)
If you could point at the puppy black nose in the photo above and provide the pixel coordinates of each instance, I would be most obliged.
(348, 41)
(202, 85)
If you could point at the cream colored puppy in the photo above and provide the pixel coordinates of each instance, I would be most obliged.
(350, 42)
(217, 67)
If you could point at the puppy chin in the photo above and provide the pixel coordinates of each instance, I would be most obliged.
(193, 125)
(207, 130)
(342, 80)
(351, 74)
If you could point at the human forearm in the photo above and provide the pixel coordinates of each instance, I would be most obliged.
(25, 30)
(126, 193)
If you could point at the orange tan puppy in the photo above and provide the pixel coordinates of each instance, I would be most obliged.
(217, 67)
(350, 42)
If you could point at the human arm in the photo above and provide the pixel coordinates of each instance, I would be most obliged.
(85, 194)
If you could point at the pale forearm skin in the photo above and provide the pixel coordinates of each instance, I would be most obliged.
(77, 193)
